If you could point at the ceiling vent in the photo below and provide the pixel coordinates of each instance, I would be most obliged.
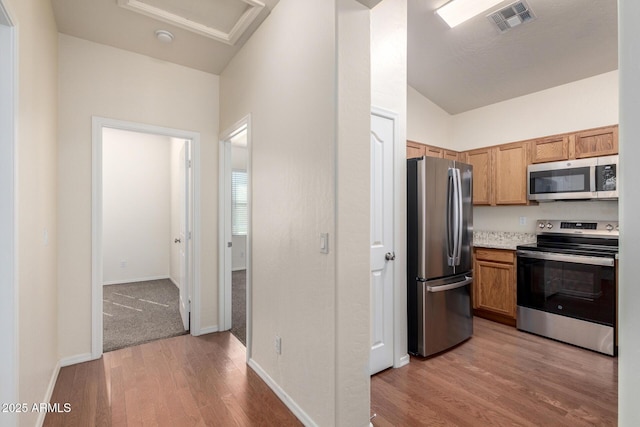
(511, 16)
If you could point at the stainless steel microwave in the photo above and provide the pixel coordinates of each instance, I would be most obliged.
(593, 178)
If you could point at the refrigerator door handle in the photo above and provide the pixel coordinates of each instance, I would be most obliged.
(451, 225)
(458, 245)
(450, 286)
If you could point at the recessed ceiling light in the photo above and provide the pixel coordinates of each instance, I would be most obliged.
(164, 36)
(457, 11)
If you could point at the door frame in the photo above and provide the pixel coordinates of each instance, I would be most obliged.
(9, 360)
(224, 229)
(98, 123)
(400, 354)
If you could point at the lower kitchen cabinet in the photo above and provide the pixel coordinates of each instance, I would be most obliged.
(494, 285)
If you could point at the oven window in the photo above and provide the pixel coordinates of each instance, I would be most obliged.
(582, 291)
(560, 181)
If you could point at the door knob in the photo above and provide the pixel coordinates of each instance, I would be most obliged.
(177, 240)
(390, 256)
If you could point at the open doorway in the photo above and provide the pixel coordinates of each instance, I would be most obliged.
(145, 221)
(235, 227)
(145, 225)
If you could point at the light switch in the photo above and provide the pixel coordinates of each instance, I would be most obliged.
(324, 243)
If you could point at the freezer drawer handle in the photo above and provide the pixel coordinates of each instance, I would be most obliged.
(448, 287)
(390, 256)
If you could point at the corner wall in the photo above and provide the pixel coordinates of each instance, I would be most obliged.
(36, 173)
(629, 291)
(284, 76)
(104, 81)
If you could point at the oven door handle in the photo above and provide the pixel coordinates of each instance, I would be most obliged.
(577, 259)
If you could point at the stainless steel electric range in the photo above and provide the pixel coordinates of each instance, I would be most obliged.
(567, 283)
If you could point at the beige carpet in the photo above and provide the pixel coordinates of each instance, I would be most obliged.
(135, 313)
(239, 305)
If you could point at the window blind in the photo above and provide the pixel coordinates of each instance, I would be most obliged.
(239, 215)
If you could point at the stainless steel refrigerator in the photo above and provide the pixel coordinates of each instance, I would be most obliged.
(439, 260)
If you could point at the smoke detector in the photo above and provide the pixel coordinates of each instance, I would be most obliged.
(511, 16)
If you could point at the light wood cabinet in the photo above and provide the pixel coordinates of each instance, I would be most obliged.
(595, 142)
(482, 162)
(510, 174)
(499, 174)
(494, 285)
(550, 149)
(576, 145)
(414, 150)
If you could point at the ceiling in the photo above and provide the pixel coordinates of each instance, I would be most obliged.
(459, 69)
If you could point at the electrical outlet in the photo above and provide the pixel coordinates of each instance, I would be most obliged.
(278, 345)
(123, 264)
(523, 220)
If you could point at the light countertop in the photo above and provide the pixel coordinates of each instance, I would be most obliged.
(501, 239)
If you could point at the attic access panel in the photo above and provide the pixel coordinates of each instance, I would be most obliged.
(222, 20)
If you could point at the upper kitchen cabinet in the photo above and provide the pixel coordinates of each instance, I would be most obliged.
(595, 142)
(499, 174)
(511, 173)
(415, 149)
(482, 162)
(550, 149)
(576, 145)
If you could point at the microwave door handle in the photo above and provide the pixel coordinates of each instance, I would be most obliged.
(592, 178)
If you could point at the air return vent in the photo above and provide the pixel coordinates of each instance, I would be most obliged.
(511, 16)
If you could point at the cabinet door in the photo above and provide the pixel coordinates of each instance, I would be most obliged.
(511, 174)
(414, 150)
(482, 163)
(551, 149)
(494, 288)
(433, 151)
(596, 142)
(451, 155)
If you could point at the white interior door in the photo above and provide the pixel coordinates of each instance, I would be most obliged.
(382, 237)
(184, 234)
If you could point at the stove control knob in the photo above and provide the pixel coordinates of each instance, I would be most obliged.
(541, 225)
(549, 225)
(609, 227)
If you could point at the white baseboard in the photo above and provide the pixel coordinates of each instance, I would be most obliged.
(174, 281)
(48, 393)
(404, 360)
(78, 358)
(239, 268)
(208, 330)
(282, 395)
(137, 279)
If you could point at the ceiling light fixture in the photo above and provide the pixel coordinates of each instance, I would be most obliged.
(457, 11)
(164, 36)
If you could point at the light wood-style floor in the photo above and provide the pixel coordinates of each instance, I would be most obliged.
(181, 381)
(500, 377)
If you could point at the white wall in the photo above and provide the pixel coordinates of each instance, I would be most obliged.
(108, 82)
(583, 104)
(574, 106)
(426, 122)
(629, 291)
(136, 201)
(36, 175)
(284, 77)
(351, 242)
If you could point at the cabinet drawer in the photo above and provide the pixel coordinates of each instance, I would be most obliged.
(495, 255)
